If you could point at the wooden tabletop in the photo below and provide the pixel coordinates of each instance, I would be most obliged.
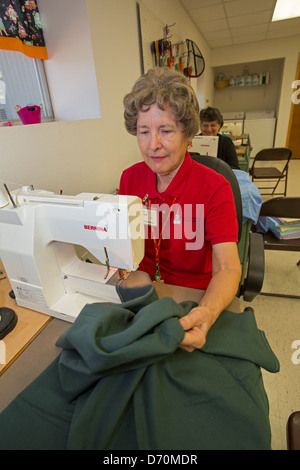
(29, 325)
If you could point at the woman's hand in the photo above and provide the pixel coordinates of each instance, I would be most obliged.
(196, 325)
(220, 292)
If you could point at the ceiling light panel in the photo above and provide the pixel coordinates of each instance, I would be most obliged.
(286, 9)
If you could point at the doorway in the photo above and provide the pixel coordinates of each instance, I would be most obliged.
(293, 134)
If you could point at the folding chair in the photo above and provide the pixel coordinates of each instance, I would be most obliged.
(286, 207)
(250, 245)
(271, 173)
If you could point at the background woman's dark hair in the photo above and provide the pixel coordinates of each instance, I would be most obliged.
(210, 114)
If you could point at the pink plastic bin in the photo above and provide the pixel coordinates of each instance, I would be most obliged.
(30, 114)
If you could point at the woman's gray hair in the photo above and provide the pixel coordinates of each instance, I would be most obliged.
(166, 88)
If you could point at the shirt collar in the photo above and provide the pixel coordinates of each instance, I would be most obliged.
(177, 185)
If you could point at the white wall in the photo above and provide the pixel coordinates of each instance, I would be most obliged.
(70, 69)
(285, 48)
(89, 154)
(171, 11)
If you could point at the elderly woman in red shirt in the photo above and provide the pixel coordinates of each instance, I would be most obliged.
(191, 226)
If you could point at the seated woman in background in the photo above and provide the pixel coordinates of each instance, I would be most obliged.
(211, 121)
(183, 246)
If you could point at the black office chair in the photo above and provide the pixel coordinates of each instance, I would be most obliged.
(287, 207)
(271, 173)
(293, 431)
(250, 245)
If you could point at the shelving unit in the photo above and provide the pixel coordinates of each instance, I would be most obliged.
(242, 87)
(252, 97)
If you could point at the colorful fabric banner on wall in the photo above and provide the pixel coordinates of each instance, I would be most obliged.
(21, 28)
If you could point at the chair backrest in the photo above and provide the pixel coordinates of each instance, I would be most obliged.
(281, 207)
(224, 169)
(279, 153)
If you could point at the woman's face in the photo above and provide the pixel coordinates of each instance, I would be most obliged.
(210, 128)
(161, 140)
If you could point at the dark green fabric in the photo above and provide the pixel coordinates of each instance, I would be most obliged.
(121, 382)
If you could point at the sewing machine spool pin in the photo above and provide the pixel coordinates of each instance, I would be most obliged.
(106, 262)
(10, 196)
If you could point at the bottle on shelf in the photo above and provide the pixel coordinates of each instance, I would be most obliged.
(248, 80)
(255, 79)
(232, 81)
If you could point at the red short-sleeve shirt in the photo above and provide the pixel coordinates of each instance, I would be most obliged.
(196, 211)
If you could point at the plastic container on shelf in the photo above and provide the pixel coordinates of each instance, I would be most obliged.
(248, 80)
(232, 81)
(221, 81)
(255, 79)
(30, 114)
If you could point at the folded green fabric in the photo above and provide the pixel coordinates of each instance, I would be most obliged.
(121, 382)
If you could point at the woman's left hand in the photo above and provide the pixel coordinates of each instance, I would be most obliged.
(196, 324)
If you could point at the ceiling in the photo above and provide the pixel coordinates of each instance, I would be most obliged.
(230, 22)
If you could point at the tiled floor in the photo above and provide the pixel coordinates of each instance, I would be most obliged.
(279, 318)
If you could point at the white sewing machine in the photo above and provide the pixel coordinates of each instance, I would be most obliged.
(39, 235)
